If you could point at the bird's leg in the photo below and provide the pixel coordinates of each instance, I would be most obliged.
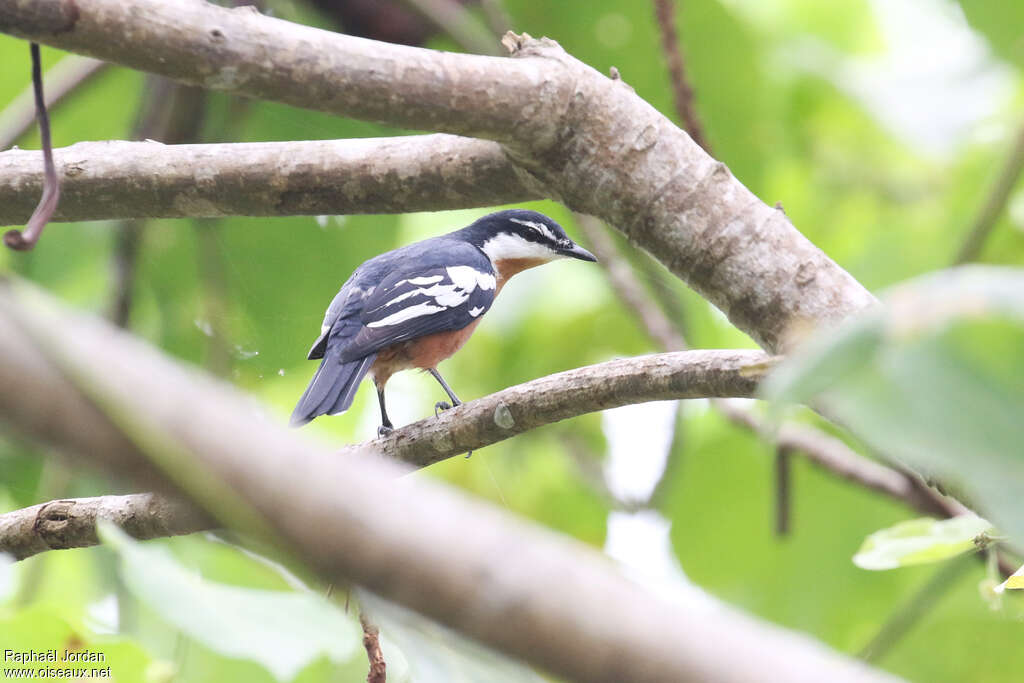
(444, 405)
(385, 422)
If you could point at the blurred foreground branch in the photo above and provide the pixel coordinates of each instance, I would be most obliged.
(514, 586)
(31, 397)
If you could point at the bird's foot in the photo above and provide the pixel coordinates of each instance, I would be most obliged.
(384, 430)
(442, 406)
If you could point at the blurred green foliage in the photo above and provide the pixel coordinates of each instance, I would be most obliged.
(772, 87)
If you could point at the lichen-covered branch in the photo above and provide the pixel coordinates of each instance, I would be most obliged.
(116, 179)
(586, 138)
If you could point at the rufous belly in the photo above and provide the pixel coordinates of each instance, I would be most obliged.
(422, 352)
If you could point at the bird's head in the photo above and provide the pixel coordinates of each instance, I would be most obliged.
(524, 238)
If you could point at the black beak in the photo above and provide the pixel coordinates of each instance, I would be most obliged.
(576, 251)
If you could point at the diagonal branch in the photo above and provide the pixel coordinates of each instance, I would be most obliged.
(589, 140)
(61, 80)
(346, 518)
(995, 202)
(682, 92)
(324, 177)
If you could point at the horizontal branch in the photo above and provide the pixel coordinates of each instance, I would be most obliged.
(162, 426)
(71, 523)
(588, 140)
(102, 180)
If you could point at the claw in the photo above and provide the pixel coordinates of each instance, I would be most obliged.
(441, 406)
(384, 430)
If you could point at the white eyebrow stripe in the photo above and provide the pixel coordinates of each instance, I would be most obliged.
(409, 313)
(538, 226)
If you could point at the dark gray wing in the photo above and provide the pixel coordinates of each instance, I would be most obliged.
(415, 300)
(342, 316)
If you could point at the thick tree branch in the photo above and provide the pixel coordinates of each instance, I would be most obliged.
(346, 517)
(103, 180)
(242, 52)
(589, 140)
(71, 523)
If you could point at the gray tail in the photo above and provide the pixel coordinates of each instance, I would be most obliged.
(332, 388)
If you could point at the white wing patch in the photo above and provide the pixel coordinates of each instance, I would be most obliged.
(425, 308)
(468, 278)
(465, 279)
(420, 281)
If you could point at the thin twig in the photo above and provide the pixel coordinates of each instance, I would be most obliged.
(994, 204)
(173, 114)
(497, 18)
(783, 482)
(664, 10)
(371, 641)
(61, 80)
(906, 616)
(23, 241)
(459, 24)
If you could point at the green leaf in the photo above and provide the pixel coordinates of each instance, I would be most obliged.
(1000, 22)
(934, 379)
(282, 631)
(920, 541)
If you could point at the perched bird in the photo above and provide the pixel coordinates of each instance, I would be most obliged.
(417, 305)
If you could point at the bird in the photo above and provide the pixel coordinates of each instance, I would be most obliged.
(415, 306)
